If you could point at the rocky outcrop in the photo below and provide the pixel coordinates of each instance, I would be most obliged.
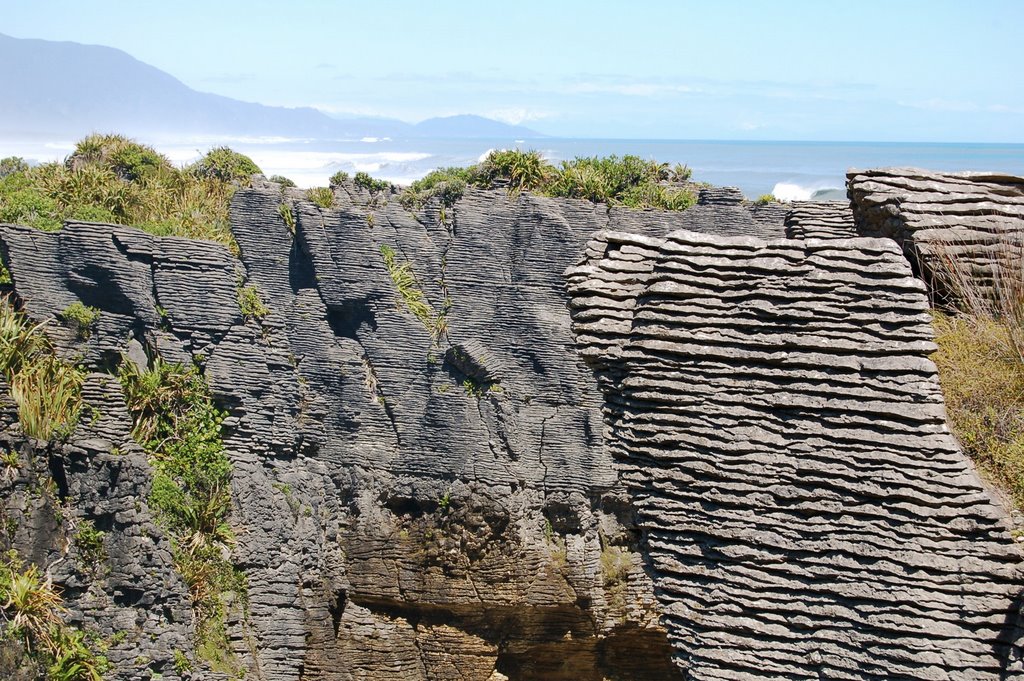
(805, 512)
(424, 481)
(820, 220)
(724, 210)
(974, 219)
(416, 493)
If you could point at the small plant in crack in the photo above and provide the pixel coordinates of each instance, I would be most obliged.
(288, 215)
(409, 292)
(81, 318)
(321, 196)
(251, 304)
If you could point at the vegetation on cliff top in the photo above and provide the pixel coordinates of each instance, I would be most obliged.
(110, 178)
(627, 181)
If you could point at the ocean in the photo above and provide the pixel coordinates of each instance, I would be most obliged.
(789, 170)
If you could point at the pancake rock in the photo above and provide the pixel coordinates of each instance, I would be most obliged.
(820, 220)
(975, 220)
(420, 489)
(805, 513)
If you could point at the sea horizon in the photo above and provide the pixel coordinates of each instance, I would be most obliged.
(788, 169)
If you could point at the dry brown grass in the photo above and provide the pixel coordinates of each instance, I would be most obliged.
(981, 357)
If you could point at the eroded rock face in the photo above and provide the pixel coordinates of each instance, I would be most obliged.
(805, 512)
(974, 218)
(737, 466)
(415, 494)
(820, 220)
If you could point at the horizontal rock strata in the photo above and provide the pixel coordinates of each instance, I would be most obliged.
(820, 220)
(420, 486)
(973, 220)
(805, 512)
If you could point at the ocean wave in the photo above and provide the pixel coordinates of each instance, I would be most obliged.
(818, 191)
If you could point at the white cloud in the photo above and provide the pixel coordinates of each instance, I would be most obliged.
(630, 89)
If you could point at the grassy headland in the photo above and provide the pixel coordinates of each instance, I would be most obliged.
(110, 178)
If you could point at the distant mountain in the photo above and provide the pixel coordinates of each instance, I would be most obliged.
(72, 89)
(470, 126)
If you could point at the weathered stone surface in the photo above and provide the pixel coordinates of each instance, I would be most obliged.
(433, 495)
(820, 220)
(805, 512)
(974, 218)
(420, 499)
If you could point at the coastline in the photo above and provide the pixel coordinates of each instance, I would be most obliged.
(790, 170)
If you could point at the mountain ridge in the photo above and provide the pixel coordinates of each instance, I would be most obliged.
(57, 86)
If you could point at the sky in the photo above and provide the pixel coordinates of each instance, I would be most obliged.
(871, 70)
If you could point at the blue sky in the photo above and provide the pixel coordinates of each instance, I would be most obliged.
(909, 70)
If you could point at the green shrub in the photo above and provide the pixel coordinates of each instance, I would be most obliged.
(227, 165)
(176, 422)
(628, 181)
(112, 179)
(338, 178)
(680, 173)
(446, 183)
(33, 613)
(81, 318)
(12, 165)
(282, 180)
(89, 541)
(125, 158)
(46, 391)
(321, 196)
(370, 184)
(521, 170)
(250, 303)
(765, 199)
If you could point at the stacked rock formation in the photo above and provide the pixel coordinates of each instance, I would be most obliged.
(969, 223)
(820, 220)
(724, 210)
(805, 512)
(416, 494)
(422, 484)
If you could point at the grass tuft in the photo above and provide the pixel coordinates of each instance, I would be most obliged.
(321, 196)
(46, 391)
(981, 356)
(112, 179)
(32, 612)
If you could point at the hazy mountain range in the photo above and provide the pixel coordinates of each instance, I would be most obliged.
(64, 88)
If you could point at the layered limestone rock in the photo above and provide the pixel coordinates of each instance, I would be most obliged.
(820, 220)
(973, 219)
(805, 512)
(423, 486)
(420, 486)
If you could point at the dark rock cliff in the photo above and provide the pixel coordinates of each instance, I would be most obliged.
(428, 481)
